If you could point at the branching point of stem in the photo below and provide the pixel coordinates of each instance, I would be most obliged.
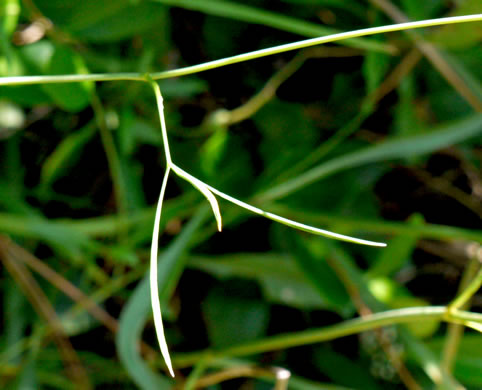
(208, 192)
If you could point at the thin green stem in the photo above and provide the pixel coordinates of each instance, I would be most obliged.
(156, 305)
(454, 331)
(208, 191)
(346, 328)
(23, 80)
(112, 157)
(160, 109)
(465, 296)
(195, 374)
(280, 376)
(249, 108)
(438, 232)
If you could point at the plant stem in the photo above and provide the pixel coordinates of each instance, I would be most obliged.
(112, 156)
(9, 255)
(455, 331)
(208, 191)
(282, 220)
(23, 80)
(196, 373)
(346, 328)
(160, 110)
(248, 109)
(469, 291)
(439, 232)
(434, 55)
(155, 303)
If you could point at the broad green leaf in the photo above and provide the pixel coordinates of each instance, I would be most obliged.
(15, 316)
(46, 58)
(397, 253)
(66, 154)
(395, 296)
(212, 151)
(76, 15)
(406, 121)
(134, 131)
(281, 281)
(254, 15)
(182, 88)
(352, 6)
(417, 10)
(298, 383)
(375, 66)
(74, 245)
(462, 35)
(71, 97)
(445, 135)
(281, 124)
(131, 171)
(39, 228)
(468, 363)
(25, 95)
(231, 320)
(126, 22)
(9, 13)
(315, 267)
(423, 329)
(469, 72)
(336, 366)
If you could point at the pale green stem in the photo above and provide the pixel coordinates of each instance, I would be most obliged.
(21, 80)
(112, 156)
(454, 331)
(248, 109)
(160, 109)
(156, 305)
(467, 293)
(208, 191)
(346, 328)
(277, 218)
(195, 374)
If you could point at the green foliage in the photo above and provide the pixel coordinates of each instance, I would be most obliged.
(47, 58)
(360, 137)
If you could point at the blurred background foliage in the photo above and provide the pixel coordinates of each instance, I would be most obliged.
(376, 137)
